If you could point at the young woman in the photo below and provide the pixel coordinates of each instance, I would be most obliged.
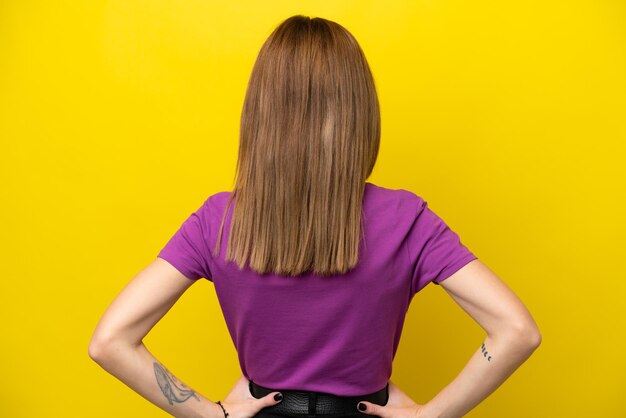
(314, 266)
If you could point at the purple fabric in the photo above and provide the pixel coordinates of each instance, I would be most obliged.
(336, 334)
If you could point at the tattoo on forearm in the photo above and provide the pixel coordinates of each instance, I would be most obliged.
(485, 353)
(173, 393)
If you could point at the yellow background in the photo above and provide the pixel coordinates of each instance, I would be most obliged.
(118, 118)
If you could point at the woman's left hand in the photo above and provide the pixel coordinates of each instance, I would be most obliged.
(239, 403)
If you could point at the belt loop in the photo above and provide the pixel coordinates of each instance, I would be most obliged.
(312, 402)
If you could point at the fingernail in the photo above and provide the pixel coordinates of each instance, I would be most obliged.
(278, 396)
(362, 406)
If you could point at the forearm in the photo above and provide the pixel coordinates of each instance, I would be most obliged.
(490, 365)
(136, 367)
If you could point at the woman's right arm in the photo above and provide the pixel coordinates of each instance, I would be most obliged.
(512, 336)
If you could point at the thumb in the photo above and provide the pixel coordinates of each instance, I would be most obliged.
(271, 399)
(372, 409)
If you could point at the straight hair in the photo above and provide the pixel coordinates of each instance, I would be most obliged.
(309, 139)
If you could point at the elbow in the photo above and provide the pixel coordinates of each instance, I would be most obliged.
(105, 346)
(536, 339)
(528, 334)
(100, 345)
(96, 349)
(523, 334)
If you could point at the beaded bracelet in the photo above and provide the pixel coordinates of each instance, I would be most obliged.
(225, 413)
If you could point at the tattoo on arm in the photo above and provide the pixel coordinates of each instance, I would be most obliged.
(485, 353)
(173, 393)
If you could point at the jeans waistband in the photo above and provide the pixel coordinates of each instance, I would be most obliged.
(305, 403)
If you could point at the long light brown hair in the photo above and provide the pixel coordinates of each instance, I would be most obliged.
(309, 139)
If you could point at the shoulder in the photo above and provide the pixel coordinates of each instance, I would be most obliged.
(398, 198)
(216, 200)
(213, 208)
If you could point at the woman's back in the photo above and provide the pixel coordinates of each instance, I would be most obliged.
(314, 267)
(336, 334)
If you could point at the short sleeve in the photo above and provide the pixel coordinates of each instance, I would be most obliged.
(435, 250)
(187, 249)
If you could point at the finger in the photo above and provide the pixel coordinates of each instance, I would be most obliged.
(372, 409)
(271, 399)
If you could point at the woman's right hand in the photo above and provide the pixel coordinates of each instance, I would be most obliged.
(399, 405)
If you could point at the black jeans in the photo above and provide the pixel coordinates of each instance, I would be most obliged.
(304, 404)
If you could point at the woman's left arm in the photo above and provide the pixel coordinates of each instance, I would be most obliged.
(117, 345)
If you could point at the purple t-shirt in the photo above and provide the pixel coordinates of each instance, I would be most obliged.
(335, 334)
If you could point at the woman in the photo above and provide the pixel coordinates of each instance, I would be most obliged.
(313, 266)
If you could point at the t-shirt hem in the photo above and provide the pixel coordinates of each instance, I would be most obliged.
(449, 271)
(178, 266)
